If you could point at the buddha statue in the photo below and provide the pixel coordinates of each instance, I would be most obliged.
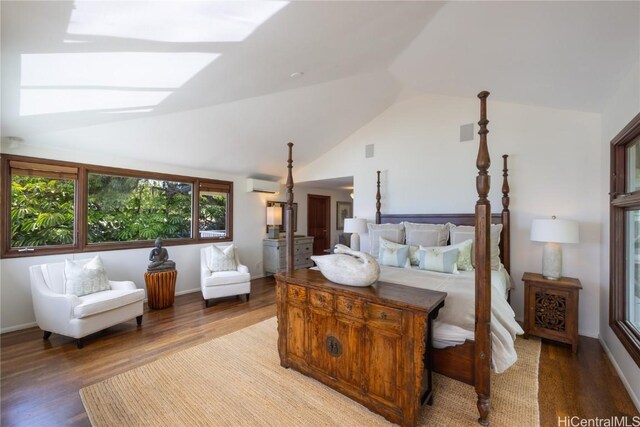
(159, 258)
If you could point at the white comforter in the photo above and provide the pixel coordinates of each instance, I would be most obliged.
(456, 320)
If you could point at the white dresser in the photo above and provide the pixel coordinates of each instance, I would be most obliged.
(274, 254)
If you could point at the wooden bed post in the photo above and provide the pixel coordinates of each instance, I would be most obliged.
(378, 200)
(506, 224)
(288, 212)
(482, 349)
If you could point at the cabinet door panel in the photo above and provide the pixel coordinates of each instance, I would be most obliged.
(548, 314)
(349, 364)
(321, 327)
(296, 331)
(383, 364)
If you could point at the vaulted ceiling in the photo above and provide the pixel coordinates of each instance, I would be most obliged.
(224, 85)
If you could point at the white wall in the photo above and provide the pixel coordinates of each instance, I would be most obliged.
(249, 218)
(555, 169)
(619, 111)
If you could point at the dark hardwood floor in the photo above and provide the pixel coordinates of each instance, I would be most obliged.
(40, 379)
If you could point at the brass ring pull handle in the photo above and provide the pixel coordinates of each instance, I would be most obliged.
(296, 293)
(349, 306)
(383, 315)
(321, 298)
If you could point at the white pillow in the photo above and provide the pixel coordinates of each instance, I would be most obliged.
(426, 234)
(222, 259)
(390, 232)
(84, 278)
(443, 259)
(393, 254)
(460, 233)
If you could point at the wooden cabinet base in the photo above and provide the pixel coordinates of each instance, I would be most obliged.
(161, 288)
(371, 344)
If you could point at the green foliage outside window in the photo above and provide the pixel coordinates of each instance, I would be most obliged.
(42, 211)
(123, 209)
(213, 210)
(120, 209)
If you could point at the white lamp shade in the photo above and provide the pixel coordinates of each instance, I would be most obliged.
(555, 231)
(274, 215)
(355, 225)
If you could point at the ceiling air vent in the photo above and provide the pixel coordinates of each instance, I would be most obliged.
(262, 186)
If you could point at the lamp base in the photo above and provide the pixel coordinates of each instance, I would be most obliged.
(274, 232)
(355, 241)
(552, 261)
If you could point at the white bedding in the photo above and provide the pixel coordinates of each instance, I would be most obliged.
(456, 320)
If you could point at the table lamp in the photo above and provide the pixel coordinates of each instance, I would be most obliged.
(553, 232)
(274, 220)
(355, 226)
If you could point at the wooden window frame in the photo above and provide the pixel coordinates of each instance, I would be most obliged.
(81, 199)
(620, 202)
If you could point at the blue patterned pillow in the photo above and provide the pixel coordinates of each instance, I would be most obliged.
(443, 259)
(393, 254)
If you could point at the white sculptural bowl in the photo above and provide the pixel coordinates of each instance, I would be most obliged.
(348, 267)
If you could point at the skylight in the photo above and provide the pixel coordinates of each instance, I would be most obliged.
(66, 82)
(48, 101)
(172, 21)
(113, 69)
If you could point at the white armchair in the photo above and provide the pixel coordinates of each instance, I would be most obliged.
(75, 316)
(218, 284)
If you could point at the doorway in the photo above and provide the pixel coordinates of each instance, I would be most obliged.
(319, 222)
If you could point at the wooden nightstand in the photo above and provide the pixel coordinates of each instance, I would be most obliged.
(551, 308)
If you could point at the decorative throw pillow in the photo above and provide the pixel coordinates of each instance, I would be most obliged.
(390, 232)
(464, 257)
(414, 255)
(85, 277)
(393, 254)
(223, 259)
(426, 234)
(460, 233)
(442, 259)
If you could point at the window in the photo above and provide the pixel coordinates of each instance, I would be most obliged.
(624, 310)
(125, 209)
(60, 207)
(213, 202)
(42, 207)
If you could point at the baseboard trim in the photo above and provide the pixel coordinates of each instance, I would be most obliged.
(32, 324)
(188, 291)
(18, 327)
(635, 399)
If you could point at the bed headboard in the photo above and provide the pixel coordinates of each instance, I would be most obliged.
(503, 218)
(457, 219)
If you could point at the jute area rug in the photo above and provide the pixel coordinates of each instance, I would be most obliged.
(236, 380)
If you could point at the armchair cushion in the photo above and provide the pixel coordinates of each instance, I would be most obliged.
(220, 278)
(83, 278)
(100, 302)
(222, 259)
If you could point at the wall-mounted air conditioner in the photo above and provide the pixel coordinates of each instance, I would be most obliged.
(262, 186)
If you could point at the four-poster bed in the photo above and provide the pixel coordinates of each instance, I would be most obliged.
(471, 361)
